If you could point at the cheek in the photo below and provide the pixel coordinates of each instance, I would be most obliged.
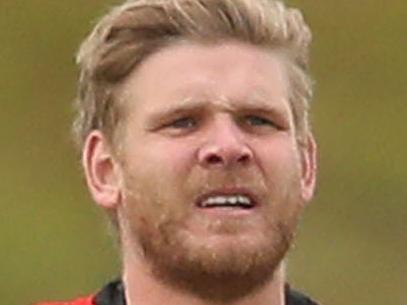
(162, 157)
(156, 175)
(278, 156)
(174, 157)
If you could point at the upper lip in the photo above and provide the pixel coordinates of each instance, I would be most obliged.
(228, 192)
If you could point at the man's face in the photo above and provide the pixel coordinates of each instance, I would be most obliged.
(213, 178)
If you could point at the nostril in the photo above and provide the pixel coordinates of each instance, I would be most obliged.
(244, 158)
(214, 159)
(215, 155)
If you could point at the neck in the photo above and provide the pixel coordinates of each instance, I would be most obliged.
(142, 287)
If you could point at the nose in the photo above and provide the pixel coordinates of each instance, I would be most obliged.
(225, 146)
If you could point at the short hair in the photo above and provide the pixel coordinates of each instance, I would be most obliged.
(136, 29)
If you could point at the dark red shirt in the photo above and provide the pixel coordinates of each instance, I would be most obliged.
(113, 294)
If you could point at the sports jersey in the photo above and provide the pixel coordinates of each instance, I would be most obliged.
(113, 294)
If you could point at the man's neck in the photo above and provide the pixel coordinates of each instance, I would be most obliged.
(143, 288)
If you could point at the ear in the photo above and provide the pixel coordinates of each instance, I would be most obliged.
(309, 167)
(101, 170)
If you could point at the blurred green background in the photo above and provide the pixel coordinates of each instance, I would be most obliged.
(352, 246)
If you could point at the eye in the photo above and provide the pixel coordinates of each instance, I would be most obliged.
(183, 123)
(255, 120)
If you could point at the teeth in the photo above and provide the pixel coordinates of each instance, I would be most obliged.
(244, 200)
(233, 200)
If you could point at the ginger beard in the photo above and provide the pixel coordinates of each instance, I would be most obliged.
(220, 260)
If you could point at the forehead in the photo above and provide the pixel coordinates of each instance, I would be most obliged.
(186, 71)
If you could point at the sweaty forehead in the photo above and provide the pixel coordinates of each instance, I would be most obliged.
(228, 71)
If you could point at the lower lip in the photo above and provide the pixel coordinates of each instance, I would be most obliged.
(227, 212)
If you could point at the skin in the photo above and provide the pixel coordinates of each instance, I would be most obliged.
(203, 119)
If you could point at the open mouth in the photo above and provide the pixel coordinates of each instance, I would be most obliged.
(230, 200)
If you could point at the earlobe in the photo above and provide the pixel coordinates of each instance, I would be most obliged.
(101, 171)
(309, 167)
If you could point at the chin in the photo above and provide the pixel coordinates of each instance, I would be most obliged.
(236, 263)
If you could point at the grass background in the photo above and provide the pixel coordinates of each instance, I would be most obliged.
(352, 246)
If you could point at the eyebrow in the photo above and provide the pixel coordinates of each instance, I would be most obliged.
(261, 105)
(231, 106)
(186, 106)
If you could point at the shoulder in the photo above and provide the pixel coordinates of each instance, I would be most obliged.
(80, 301)
(294, 297)
(112, 294)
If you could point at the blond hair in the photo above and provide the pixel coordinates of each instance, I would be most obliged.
(138, 28)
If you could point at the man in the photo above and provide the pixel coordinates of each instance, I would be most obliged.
(192, 123)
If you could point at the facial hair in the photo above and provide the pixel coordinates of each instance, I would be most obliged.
(155, 221)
